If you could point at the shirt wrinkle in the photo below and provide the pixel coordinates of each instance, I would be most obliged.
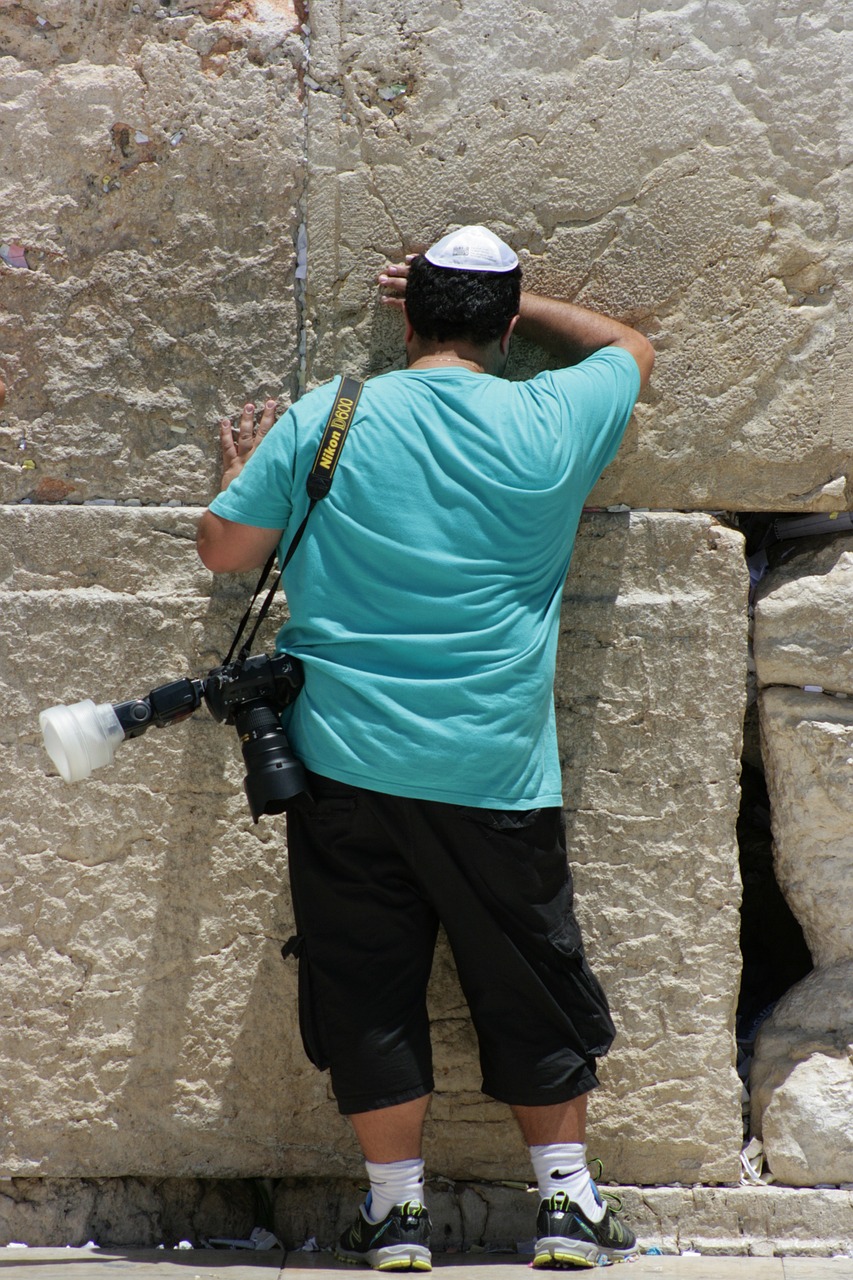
(420, 681)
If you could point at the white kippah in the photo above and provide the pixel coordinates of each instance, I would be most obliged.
(472, 249)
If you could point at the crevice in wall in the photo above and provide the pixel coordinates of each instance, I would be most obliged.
(774, 953)
(300, 283)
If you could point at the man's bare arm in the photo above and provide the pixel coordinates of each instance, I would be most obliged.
(572, 333)
(223, 545)
(562, 328)
(227, 547)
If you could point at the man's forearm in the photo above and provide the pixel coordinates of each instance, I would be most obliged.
(572, 333)
(227, 547)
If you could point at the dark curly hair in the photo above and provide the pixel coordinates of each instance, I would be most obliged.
(443, 303)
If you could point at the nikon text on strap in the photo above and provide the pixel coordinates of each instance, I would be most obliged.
(323, 469)
(318, 485)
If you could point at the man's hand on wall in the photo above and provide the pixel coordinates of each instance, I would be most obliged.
(393, 279)
(239, 443)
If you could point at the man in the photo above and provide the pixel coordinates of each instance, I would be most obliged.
(425, 602)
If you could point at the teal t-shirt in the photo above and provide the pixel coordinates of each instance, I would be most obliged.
(425, 594)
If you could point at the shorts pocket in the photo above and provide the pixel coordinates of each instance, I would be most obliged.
(309, 1027)
(330, 796)
(500, 819)
(573, 984)
(327, 808)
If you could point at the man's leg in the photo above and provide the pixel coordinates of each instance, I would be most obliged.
(562, 1122)
(369, 937)
(368, 941)
(574, 1226)
(391, 1139)
(392, 1133)
(392, 1229)
(556, 1137)
(501, 885)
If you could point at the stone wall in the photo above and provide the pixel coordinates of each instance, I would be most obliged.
(680, 167)
(197, 199)
(151, 1023)
(153, 166)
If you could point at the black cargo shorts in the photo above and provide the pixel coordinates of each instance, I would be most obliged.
(373, 876)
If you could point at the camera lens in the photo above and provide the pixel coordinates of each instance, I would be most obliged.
(274, 777)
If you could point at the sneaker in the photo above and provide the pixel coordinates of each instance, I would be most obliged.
(567, 1238)
(399, 1242)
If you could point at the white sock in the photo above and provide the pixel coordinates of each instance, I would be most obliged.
(392, 1184)
(561, 1166)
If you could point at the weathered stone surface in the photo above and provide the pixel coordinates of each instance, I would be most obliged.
(679, 168)
(802, 1078)
(802, 1081)
(149, 1021)
(651, 688)
(151, 1026)
(739, 1221)
(808, 751)
(152, 170)
(802, 618)
(145, 1212)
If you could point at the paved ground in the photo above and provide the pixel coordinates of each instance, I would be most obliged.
(211, 1264)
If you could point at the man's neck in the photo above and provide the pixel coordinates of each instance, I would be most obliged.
(456, 354)
(443, 360)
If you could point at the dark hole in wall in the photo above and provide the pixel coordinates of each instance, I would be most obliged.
(775, 955)
(774, 952)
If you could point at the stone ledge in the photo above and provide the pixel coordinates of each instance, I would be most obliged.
(145, 1212)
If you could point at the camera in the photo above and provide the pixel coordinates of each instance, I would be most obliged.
(249, 694)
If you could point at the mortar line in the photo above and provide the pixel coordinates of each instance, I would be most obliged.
(300, 282)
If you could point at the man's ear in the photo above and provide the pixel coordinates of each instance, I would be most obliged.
(410, 332)
(505, 340)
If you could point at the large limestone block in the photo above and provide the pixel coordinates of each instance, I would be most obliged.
(679, 168)
(152, 1026)
(650, 694)
(650, 698)
(807, 742)
(152, 172)
(803, 610)
(802, 1081)
(149, 1022)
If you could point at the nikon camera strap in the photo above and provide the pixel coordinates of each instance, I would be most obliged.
(318, 484)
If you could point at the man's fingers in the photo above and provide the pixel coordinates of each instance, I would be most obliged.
(238, 442)
(267, 417)
(226, 442)
(392, 281)
(394, 276)
(246, 430)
